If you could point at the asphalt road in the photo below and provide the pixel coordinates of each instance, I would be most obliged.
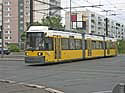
(77, 77)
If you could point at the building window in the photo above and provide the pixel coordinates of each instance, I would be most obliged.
(21, 22)
(6, 38)
(7, 14)
(27, 2)
(21, 28)
(21, 4)
(21, 16)
(21, 10)
(6, 32)
(7, 20)
(7, 3)
(8, 26)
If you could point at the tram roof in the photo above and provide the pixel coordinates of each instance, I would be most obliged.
(48, 32)
(53, 32)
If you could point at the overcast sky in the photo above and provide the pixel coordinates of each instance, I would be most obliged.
(117, 7)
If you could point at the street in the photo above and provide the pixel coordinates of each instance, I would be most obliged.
(85, 76)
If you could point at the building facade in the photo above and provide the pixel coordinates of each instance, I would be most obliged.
(26, 14)
(0, 22)
(13, 21)
(91, 22)
(43, 8)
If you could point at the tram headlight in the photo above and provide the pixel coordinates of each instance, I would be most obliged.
(26, 54)
(40, 54)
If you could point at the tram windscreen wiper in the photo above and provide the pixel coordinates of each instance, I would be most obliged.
(31, 49)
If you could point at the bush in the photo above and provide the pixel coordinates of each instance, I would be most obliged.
(13, 48)
(121, 46)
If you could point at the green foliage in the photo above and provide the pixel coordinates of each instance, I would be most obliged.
(52, 22)
(13, 48)
(121, 46)
(23, 36)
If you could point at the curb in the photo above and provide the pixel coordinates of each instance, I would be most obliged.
(50, 90)
(9, 59)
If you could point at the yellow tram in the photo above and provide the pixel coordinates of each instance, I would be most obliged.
(49, 46)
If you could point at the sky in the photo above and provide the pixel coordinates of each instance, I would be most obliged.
(115, 6)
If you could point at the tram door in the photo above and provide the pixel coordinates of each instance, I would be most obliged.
(57, 49)
(89, 47)
(108, 48)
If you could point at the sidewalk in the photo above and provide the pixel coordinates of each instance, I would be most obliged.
(14, 56)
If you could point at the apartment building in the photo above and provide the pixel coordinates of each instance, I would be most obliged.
(0, 21)
(26, 14)
(91, 22)
(13, 21)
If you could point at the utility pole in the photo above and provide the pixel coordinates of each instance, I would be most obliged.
(70, 14)
(106, 22)
(31, 12)
(106, 28)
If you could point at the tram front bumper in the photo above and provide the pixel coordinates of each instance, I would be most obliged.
(35, 59)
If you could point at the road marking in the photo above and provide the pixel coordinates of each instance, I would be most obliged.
(53, 90)
(33, 85)
(7, 81)
(110, 91)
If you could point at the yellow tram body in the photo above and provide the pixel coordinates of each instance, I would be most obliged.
(49, 46)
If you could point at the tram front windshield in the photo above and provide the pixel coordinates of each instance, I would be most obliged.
(35, 41)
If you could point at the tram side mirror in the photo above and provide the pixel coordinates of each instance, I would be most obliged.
(119, 88)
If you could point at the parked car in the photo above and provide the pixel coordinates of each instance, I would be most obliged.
(5, 51)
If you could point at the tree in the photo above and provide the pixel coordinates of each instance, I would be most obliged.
(121, 46)
(13, 48)
(23, 36)
(52, 22)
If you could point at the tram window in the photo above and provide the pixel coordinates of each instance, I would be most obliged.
(100, 45)
(93, 44)
(65, 44)
(78, 44)
(86, 47)
(106, 45)
(72, 44)
(48, 44)
(97, 45)
(113, 45)
(110, 45)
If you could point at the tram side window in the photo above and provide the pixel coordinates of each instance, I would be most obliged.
(97, 45)
(65, 44)
(86, 47)
(93, 44)
(78, 44)
(48, 44)
(72, 44)
(112, 45)
(100, 44)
